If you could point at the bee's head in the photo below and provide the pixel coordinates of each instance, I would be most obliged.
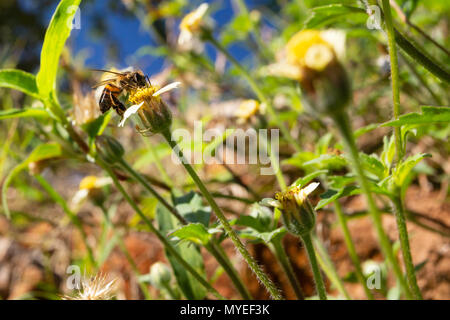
(138, 79)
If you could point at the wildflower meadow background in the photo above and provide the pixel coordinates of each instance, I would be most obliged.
(266, 149)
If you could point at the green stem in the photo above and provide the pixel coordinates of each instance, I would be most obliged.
(224, 222)
(223, 260)
(125, 251)
(404, 243)
(147, 186)
(328, 267)
(282, 257)
(351, 249)
(400, 217)
(169, 247)
(211, 247)
(72, 216)
(342, 122)
(320, 286)
(394, 75)
(259, 93)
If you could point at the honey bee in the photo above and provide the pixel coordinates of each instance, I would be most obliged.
(118, 83)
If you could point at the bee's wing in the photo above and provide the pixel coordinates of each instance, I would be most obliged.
(104, 82)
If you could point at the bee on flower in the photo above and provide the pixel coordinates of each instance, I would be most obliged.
(155, 116)
(313, 58)
(191, 27)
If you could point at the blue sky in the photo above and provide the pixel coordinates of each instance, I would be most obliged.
(128, 34)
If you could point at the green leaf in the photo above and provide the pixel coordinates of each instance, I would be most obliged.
(190, 206)
(42, 152)
(57, 33)
(325, 15)
(19, 80)
(96, 127)
(195, 232)
(301, 182)
(323, 144)
(332, 195)
(327, 161)
(359, 132)
(372, 165)
(430, 115)
(266, 237)
(403, 170)
(190, 252)
(24, 113)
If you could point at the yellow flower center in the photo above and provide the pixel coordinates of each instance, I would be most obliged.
(299, 46)
(88, 183)
(318, 57)
(247, 109)
(141, 94)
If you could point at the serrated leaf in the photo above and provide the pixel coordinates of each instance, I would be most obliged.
(324, 15)
(429, 115)
(55, 37)
(42, 152)
(195, 232)
(24, 113)
(19, 80)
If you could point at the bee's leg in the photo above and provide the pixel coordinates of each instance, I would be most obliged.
(118, 106)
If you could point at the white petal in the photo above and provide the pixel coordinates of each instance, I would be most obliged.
(79, 197)
(129, 112)
(269, 202)
(201, 10)
(336, 38)
(104, 181)
(305, 192)
(310, 188)
(185, 38)
(169, 87)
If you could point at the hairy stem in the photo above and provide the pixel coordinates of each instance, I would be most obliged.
(406, 251)
(320, 285)
(261, 275)
(212, 247)
(282, 257)
(342, 122)
(351, 249)
(169, 247)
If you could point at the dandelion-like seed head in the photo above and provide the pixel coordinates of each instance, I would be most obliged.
(94, 288)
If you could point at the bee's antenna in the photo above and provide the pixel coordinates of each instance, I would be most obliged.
(148, 80)
(108, 71)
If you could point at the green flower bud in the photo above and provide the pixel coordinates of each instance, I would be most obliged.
(109, 149)
(155, 115)
(160, 275)
(298, 214)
